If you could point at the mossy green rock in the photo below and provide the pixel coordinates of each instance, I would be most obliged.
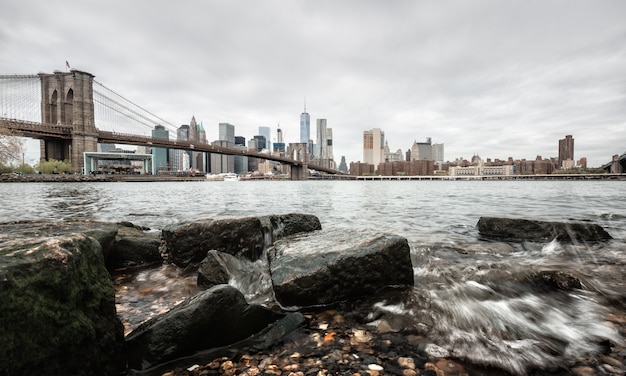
(57, 308)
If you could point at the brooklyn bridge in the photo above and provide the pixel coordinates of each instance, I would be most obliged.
(71, 113)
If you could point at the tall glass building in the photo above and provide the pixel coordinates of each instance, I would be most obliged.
(266, 132)
(305, 126)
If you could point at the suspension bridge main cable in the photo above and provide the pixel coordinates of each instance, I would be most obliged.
(139, 113)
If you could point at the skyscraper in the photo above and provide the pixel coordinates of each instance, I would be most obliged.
(224, 163)
(266, 132)
(566, 151)
(321, 146)
(159, 155)
(422, 150)
(227, 132)
(305, 126)
(374, 147)
(179, 159)
(329, 144)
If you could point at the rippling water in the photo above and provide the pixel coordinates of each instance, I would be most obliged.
(470, 292)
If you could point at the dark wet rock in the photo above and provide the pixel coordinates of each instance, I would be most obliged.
(552, 280)
(134, 246)
(103, 232)
(247, 237)
(211, 271)
(532, 230)
(270, 336)
(332, 266)
(57, 306)
(214, 318)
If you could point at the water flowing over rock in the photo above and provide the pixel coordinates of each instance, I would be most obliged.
(532, 230)
(323, 268)
(216, 317)
(57, 305)
(188, 243)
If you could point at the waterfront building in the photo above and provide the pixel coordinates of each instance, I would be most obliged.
(361, 169)
(219, 163)
(437, 150)
(160, 155)
(241, 161)
(180, 159)
(566, 152)
(407, 168)
(373, 147)
(253, 163)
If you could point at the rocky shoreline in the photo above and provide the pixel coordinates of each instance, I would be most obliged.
(53, 178)
(59, 304)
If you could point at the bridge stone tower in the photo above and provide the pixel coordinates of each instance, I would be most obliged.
(67, 99)
(298, 152)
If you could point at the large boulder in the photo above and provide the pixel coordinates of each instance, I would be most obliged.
(332, 266)
(103, 232)
(57, 308)
(512, 229)
(133, 246)
(215, 317)
(247, 237)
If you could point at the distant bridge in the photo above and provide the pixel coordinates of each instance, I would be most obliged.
(71, 117)
(617, 164)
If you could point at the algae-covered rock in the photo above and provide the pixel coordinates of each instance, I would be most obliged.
(57, 308)
(103, 232)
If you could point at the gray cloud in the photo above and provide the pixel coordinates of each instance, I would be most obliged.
(497, 78)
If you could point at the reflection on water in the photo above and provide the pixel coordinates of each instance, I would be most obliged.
(75, 201)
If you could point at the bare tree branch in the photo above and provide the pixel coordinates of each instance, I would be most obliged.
(11, 147)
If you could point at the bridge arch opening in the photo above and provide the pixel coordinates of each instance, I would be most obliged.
(53, 118)
(68, 107)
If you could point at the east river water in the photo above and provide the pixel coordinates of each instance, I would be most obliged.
(467, 295)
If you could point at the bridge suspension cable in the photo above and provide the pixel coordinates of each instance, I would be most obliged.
(20, 97)
(115, 113)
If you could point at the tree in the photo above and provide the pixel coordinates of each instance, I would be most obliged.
(55, 167)
(11, 147)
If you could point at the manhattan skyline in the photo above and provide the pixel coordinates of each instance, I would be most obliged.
(492, 78)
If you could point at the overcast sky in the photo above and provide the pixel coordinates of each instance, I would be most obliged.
(495, 78)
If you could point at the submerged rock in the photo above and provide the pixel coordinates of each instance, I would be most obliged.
(57, 307)
(247, 237)
(328, 267)
(532, 230)
(214, 318)
(552, 280)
